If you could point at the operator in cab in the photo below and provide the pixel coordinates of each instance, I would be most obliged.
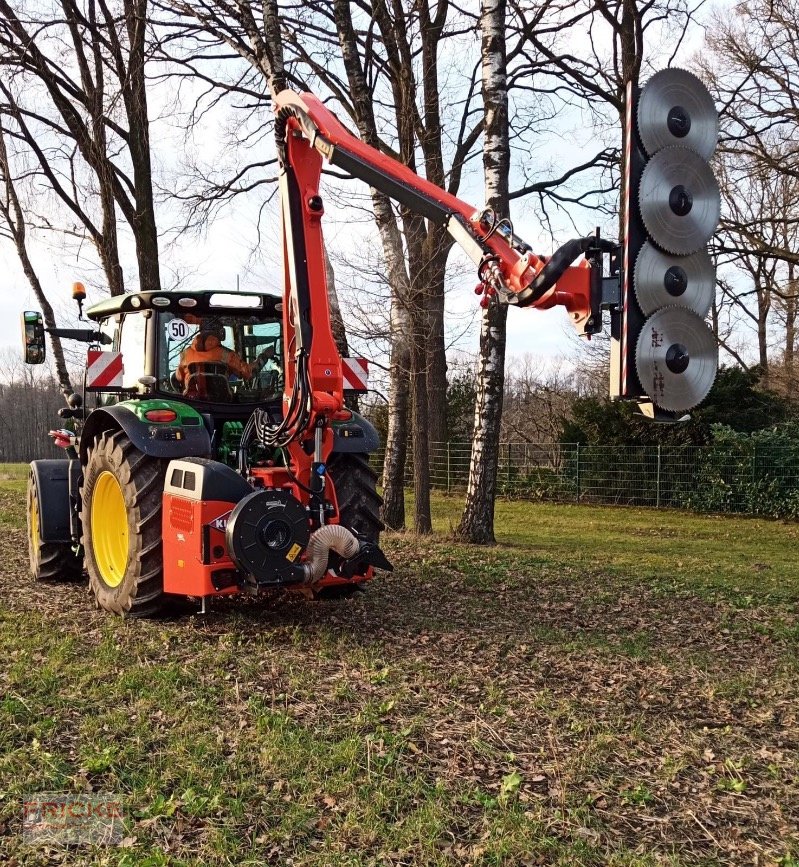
(206, 363)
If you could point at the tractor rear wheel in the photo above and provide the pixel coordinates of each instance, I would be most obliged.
(359, 503)
(48, 560)
(121, 517)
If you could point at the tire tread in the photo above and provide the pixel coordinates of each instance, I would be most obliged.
(141, 593)
(359, 503)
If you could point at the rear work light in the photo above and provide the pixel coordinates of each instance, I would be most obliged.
(160, 415)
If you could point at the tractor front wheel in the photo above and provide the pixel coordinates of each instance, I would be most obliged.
(121, 519)
(48, 560)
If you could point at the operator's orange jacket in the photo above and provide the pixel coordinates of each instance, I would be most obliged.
(214, 353)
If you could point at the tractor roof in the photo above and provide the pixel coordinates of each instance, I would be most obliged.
(206, 302)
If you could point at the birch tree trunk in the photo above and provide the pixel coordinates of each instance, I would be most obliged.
(477, 521)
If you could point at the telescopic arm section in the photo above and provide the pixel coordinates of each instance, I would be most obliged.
(506, 265)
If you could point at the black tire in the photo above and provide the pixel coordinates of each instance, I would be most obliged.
(140, 592)
(49, 561)
(359, 503)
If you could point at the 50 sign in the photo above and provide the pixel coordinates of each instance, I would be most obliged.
(177, 329)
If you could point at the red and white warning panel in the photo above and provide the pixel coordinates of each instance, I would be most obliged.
(356, 374)
(103, 369)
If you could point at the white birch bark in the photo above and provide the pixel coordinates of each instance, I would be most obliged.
(477, 522)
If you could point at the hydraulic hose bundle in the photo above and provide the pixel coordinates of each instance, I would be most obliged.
(296, 419)
(556, 267)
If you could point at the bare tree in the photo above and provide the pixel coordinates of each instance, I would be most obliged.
(190, 37)
(477, 522)
(390, 69)
(94, 119)
(750, 63)
(404, 334)
(12, 227)
(31, 397)
(617, 37)
(548, 66)
(379, 61)
(538, 397)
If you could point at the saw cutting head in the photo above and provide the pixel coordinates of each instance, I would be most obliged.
(661, 280)
(679, 200)
(677, 358)
(675, 108)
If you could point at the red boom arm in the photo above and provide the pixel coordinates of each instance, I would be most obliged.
(306, 132)
(506, 265)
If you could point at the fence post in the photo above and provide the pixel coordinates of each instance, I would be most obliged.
(578, 472)
(449, 480)
(657, 482)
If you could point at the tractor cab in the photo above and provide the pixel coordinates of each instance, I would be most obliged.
(219, 352)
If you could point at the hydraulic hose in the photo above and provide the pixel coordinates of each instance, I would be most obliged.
(330, 537)
(556, 267)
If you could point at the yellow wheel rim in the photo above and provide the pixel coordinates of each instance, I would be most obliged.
(109, 529)
(33, 525)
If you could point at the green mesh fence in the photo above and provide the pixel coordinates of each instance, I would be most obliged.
(740, 476)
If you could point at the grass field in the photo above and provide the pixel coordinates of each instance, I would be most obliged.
(607, 686)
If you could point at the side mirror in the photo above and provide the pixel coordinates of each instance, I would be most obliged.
(33, 337)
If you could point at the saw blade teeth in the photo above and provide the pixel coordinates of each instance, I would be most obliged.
(660, 280)
(679, 201)
(676, 358)
(675, 108)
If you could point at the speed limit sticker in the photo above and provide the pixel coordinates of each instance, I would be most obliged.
(177, 329)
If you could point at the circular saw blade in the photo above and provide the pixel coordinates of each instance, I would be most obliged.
(661, 280)
(679, 200)
(675, 108)
(676, 358)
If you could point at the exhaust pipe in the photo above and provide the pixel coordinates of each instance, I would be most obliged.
(330, 537)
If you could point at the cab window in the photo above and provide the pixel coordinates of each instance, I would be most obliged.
(220, 359)
(131, 345)
(109, 328)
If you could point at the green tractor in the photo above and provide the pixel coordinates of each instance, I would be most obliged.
(173, 379)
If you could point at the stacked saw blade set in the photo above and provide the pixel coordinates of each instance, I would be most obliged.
(673, 208)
